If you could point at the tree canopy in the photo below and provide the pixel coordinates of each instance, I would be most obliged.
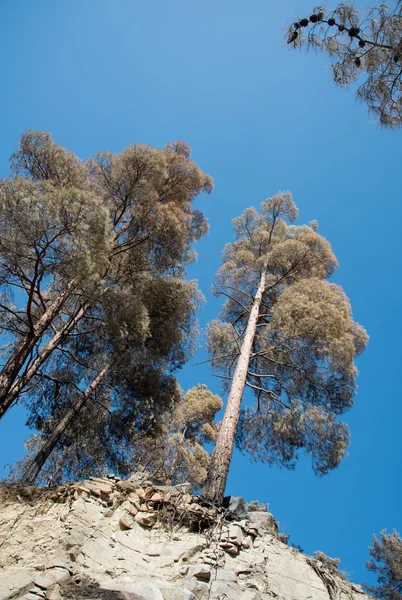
(163, 431)
(92, 242)
(95, 312)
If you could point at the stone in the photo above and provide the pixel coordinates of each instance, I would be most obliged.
(221, 589)
(139, 590)
(153, 550)
(230, 548)
(263, 521)
(54, 593)
(134, 502)
(244, 569)
(250, 595)
(39, 592)
(191, 550)
(225, 575)
(236, 535)
(174, 592)
(150, 590)
(99, 479)
(15, 584)
(248, 542)
(83, 488)
(126, 522)
(201, 571)
(198, 588)
(146, 519)
(235, 506)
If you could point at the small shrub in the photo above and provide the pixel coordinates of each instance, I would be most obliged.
(332, 564)
(254, 506)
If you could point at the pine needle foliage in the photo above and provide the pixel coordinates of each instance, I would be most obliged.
(366, 48)
(288, 335)
(84, 242)
(169, 445)
(386, 562)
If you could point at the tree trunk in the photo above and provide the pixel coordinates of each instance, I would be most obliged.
(215, 484)
(20, 383)
(37, 463)
(15, 363)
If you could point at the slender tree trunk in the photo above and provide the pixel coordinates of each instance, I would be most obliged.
(37, 463)
(20, 382)
(57, 469)
(215, 484)
(15, 363)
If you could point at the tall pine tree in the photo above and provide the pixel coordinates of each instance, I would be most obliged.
(286, 334)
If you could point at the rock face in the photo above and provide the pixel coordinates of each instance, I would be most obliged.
(112, 539)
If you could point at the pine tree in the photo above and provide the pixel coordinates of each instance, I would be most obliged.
(167, 437)
(362, 47)
(74, 234)
(124, 366)
(386, 562)
(178, 453)
(286, 334)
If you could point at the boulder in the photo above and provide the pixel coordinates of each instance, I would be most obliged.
(139, 590)
(263, 522)
(236, 535)
(235, 506)
(201, 571)
(199, 589)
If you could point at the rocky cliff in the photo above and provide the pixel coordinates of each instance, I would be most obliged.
(108, 538)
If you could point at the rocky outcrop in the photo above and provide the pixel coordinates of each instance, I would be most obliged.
(116, 539)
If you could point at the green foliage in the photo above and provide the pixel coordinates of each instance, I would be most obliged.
(365, 48)
(386, 562)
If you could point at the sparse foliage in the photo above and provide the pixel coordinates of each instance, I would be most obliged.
(255, 505)
(331, 563)
(386, 562)
(364, 48)
(286, 334)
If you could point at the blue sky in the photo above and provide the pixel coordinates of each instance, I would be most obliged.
(260, 118)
